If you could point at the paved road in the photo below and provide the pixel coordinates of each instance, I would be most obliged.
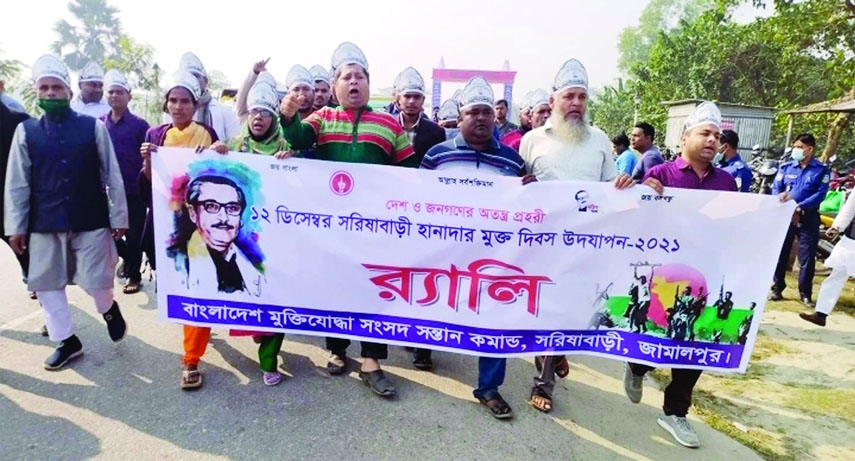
(122, 401)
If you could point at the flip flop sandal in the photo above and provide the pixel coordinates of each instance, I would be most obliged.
(271, 378)
(540, 400)
(500, 409)
(191, 379)
(131, 288)
(378, 382)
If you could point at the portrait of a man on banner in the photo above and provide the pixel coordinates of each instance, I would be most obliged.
(215, 242)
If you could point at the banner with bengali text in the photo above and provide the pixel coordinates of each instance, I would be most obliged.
(461, 261)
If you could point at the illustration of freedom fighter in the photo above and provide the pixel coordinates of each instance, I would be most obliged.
(209, 254)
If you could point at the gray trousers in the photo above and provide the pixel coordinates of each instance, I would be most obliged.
(545, 381)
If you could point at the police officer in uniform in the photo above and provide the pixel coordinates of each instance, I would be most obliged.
(805, 180)
(728, 159)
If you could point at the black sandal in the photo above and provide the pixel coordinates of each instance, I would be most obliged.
(378, 382)
(540, 400)
(500, 409)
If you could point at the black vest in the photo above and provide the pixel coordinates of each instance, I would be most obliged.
(66, 193)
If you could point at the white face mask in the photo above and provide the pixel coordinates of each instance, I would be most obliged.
(797, 154)
(718, 158)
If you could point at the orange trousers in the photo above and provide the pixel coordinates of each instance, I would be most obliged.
(195, 343)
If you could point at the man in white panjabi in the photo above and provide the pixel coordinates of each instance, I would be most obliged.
(841, 261)
(222, 119)
(566, 148)
(90, 100)
(65, 200)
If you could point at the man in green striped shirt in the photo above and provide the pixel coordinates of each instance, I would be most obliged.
(351, 132)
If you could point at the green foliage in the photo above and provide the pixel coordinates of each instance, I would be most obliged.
(801, 54)
(613, 109)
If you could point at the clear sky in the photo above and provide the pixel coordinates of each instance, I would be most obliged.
(536, 37)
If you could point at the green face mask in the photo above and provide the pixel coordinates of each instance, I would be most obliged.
(53, 106)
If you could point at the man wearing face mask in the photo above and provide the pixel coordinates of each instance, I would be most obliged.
(729, 160)
(804, 180)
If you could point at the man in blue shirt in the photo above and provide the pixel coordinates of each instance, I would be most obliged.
(642, 141)
(127, 132)
(805, 180)
(728, 159)
(625, 158)
(475, 150)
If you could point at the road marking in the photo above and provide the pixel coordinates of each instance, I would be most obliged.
(18, 321)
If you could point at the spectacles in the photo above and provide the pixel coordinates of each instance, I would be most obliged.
(213, 207)
(263, 113)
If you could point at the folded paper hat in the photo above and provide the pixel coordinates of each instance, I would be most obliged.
(184, 79)
(50, 66)
(267, 79)
(262, 96)
(191, 63)
(525, 101)
(706, 112)
(115, 77)
(92, 72)
(449, 110)
(299, 75)
(348, 53)
(410, 81)
(571, 75)
(319, 74)
(477, 92)
(538, 97)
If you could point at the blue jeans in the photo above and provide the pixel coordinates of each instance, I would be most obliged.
(491, 375)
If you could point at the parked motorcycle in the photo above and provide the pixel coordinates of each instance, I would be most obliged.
(765, 169)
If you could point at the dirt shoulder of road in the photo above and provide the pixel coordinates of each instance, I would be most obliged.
(797, 400)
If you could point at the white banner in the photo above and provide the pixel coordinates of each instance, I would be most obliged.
(455, 261)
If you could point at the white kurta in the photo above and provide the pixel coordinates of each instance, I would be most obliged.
(550, 158)
(92, 109)
(843, 254)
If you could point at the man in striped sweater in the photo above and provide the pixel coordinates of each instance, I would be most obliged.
(351, 132)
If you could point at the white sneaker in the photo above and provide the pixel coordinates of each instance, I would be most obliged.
(681, 430)
(632, 385)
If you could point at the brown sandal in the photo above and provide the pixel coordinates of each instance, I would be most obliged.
(131, 288)
(191, 379)
(561, 368)
(498, 407)
(540, 400)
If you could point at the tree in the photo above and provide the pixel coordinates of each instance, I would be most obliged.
(659, 16)
(612, 109)
(217, 81)
(9, 68)
(93, 35)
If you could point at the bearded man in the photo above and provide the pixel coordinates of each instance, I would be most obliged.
(566, 148)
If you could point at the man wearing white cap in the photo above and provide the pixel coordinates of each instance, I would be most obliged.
(476, 150)
(693, 169)
(350, 132)
(321, 78)
(421, 132)
(208, 111)
(565, 148)
(300, 82)
(448, 114)
(127, 132)
(57, 206)
(540, 110)
(90, 100)
(513, 137)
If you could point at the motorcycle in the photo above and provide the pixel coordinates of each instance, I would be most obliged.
(764, 169)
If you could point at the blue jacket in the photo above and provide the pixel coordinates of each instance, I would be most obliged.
(65, 175)
(740, 172)
(807, 186)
